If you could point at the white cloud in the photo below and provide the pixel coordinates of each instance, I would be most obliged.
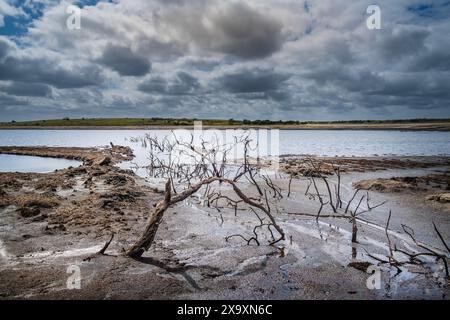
(6, 9)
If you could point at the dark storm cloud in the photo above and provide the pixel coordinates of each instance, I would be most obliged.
(347, 79)
(125, 61)
(9, 101)
(233, 28)
(339, 89)
(436, 60)
(4, 48)
(43, 70)
(27, 89)
(250, 81)
(245, 33)
(425, 87)
(202, 64)
(155, 84)
(158, 50)
(256, 84)
(182, 84)
(402, 42)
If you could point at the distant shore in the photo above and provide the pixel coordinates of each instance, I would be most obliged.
(185, 123)
(422, 126)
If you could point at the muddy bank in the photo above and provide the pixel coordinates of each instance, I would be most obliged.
(45, 214)
(431, 182)
(305, 165)
(89, 156)
(434, 188)
(50, 222)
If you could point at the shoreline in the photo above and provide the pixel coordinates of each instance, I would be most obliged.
(441, 127)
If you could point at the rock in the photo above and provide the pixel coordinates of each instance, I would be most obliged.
(123, 195)
(28, 212)
(77, 171)
(88, 183)
(97, 173)
(125, 153)
(156, 190)
(383, 185)
(362, 266)
(409, 180)
(104, 161)
(107, 204)
(54, 229)
(442, 198)
(40, 218)
(116, 180)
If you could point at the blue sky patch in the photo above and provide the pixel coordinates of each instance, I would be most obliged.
(435, 10)
(18, 25)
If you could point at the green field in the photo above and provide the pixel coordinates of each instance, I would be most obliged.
(139, 122)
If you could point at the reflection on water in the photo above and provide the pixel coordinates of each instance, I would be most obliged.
(13, 163)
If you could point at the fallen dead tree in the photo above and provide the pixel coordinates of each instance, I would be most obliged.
(208, 166)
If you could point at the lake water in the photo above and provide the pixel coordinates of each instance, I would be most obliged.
(13, 163)
(320, 142)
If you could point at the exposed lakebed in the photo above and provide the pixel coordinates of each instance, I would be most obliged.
(190, 258)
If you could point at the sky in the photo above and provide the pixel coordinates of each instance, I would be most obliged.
(249, 59)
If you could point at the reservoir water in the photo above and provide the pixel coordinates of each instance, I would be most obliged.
(317, 142)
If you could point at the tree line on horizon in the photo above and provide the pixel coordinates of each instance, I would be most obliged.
(66, 121)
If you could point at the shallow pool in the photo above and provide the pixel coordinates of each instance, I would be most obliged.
(13, 163)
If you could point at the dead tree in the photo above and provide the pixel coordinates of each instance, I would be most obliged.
(208, 166)
(353, 216)
(334, 200)
(210, 169)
